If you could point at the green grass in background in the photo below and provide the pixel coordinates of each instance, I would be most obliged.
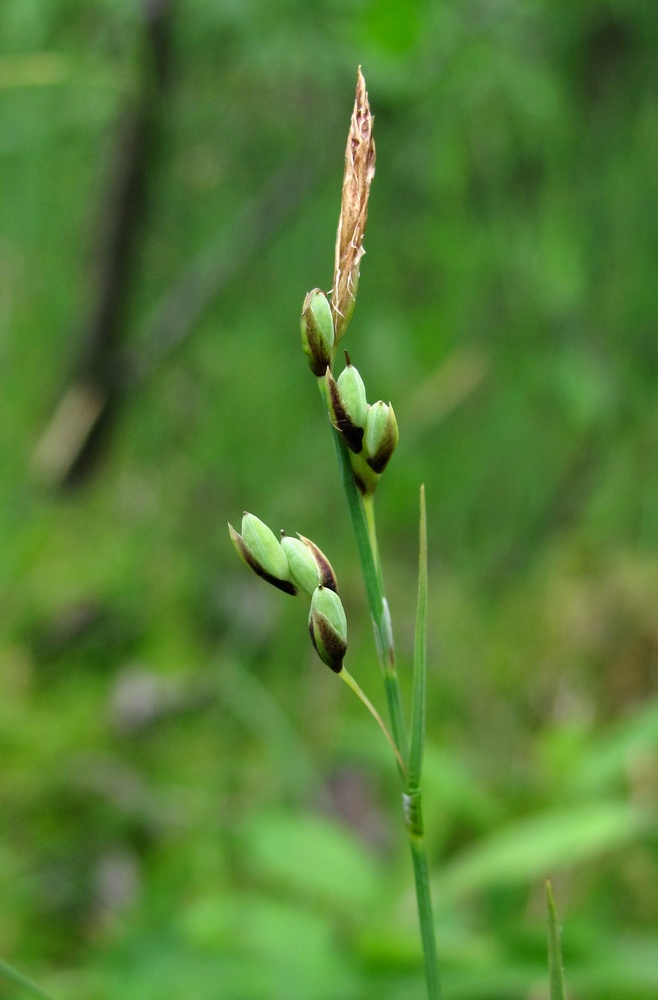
(507, 306)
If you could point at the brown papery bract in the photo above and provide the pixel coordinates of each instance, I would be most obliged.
(359, 171)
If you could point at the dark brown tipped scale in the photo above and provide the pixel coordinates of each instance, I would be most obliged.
(379, 461)
(334, 647)
(328, 627)
(317, 331)
(381, 436)
(325, 569)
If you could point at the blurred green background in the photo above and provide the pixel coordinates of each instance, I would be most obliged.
(190, 804)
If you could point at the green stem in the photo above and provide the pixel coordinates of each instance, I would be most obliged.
(556, 972)
(425, 914)
(419, 689)
(381, 618)
(363, 521)
(366, 543)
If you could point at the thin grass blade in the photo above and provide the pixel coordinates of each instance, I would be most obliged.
(555, 969)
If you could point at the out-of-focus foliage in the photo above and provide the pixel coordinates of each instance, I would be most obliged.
(189, 804)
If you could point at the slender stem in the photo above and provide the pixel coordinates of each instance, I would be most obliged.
(379, 611)
(369, 511)
(381, 618)
(363, 521)
(556, 972)
(358, 691)
(425, 914)
(418, 707)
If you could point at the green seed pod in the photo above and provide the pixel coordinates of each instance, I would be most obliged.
(309, 567)
(259, 548)
(339, 412)
(328, 627)
(318, 331)
(381, 435)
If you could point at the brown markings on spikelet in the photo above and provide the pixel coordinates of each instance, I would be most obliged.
(325, 569)
(340, 416)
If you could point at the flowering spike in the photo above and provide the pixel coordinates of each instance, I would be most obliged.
(317, 331)
(381, 435)
(258, 547)
(352, 389)
(341, 416)
(328, 627)
(359, 172)
(309, 567)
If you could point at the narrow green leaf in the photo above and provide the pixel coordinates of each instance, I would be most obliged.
(314, 858)
(528, 848)
(420, 658)
(555, 971)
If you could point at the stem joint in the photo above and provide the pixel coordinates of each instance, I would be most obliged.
(412, 811)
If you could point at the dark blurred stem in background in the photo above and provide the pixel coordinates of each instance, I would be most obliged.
(73, 440)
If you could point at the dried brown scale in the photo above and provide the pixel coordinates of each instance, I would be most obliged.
(359, 171)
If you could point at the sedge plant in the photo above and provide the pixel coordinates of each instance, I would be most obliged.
(365, 436)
